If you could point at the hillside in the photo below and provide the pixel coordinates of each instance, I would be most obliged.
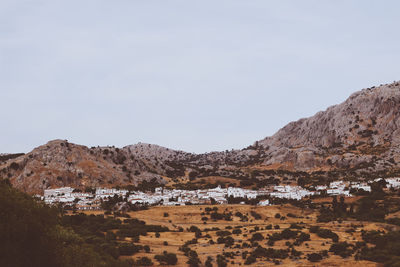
(363, 129)
(356, 139)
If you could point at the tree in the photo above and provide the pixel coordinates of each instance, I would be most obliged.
(143, 261)
(167, 258)
(314, 257)
(341, 249)
(128, 249)
(213, 201)
(221, 262)
(301, 182)
(26, 228)
(250, 260)
(32, 235)
(257, 237)
(193, 175)
(208, 262)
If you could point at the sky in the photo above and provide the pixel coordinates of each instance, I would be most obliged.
(197, 76)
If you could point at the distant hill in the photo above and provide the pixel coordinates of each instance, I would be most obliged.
(357, 139)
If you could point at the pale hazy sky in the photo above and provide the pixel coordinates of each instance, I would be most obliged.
(192, 75)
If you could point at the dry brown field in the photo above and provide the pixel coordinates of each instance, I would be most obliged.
(186, 216)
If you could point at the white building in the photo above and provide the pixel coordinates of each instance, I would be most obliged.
(393, 182)
(62, 191)
(263, 202)
(362, 186)
(338, 192)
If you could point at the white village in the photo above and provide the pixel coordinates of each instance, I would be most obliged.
(176, 197)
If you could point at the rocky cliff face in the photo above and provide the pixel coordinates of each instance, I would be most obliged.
(358, 138)
(363, 129)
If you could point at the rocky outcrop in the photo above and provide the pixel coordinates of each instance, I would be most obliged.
(367, 124)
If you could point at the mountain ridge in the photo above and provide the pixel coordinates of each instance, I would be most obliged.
(357, 138)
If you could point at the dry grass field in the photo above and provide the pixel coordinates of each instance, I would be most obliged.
(187, 216)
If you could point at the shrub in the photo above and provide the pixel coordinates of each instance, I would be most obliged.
(341, 249)
(208, 262)
(193, 260)
(143, 261)
(14, 166)
(302, 238)
(194, 229)
(295, 226)
(324, 233)
(314, 257)
(288, 234)
(270, 253)
(167, 259)
(223, 233)
(257, 237)
(228, 241)
(128, 249)
(236, 231)
(221, 262)
(250, 260)
(255, 215)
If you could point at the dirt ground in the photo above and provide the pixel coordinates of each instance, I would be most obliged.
(186, 216)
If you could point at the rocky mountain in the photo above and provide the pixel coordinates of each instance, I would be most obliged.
(364, 130)
(357, 139)
(60, 163)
